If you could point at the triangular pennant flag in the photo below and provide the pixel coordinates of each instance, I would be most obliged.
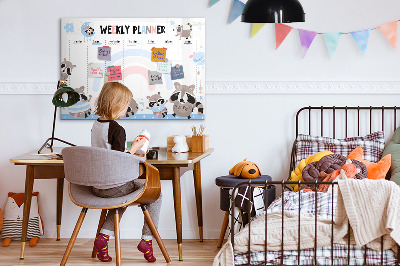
(361, 37)
(213, 2)
(281, 31)
(332, 41)
(389, 30)
(306, 39)
(255, 28)
(237, 9)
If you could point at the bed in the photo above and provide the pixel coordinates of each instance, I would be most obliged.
(253, 245)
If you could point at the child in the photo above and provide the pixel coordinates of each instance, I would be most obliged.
(112, 104)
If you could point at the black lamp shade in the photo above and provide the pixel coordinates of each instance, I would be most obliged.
(73, 97)
(273, 11)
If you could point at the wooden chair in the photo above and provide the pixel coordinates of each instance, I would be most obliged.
(85, 167)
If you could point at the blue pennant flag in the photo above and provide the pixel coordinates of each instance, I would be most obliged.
(332, 41)
(213, 2)
(237, 9)
(361, 37)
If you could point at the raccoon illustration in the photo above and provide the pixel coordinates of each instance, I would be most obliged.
(183, 33)
(89, 30)
(82, 95)
(66, 69)
(157, 105)
(184, 101)
(132, 108)
(83, 114)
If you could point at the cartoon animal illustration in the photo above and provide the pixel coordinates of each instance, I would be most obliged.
(184, 101)
(89, 30)
(13, 215)
(82, 95)
(83, 114)
(157, 105)
(132, 108)
(182, 33)
(66, 69)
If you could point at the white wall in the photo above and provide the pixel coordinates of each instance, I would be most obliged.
(259, 127)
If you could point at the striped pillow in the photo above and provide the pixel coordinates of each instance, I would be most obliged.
(372, 145)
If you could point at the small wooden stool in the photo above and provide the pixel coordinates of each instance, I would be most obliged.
(226, 183)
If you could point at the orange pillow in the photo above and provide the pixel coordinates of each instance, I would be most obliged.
(375, 170)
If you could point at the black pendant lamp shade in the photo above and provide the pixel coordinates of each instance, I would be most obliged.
(273, 11)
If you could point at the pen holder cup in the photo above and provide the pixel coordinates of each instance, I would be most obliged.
(200, 143)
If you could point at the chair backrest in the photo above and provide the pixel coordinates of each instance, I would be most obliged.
(92, 166)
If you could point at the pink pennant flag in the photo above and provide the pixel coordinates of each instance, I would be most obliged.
(389, 30)
(306, 39)
(281, 31)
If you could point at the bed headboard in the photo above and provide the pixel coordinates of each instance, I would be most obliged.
(344, 121)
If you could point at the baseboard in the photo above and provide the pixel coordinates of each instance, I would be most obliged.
(248, 87)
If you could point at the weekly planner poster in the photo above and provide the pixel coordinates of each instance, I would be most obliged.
(161, 60)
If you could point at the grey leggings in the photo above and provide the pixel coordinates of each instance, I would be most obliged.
(154, 208)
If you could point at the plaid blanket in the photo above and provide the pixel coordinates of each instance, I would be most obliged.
(323, 205)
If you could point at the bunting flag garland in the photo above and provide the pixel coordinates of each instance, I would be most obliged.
(306, 39)
(213, 2)
(332, 41)
(237, 9)
(361, 37)
(389, 30)
(281, 31)
(256, 27)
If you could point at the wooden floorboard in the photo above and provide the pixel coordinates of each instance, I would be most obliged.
(50, 252)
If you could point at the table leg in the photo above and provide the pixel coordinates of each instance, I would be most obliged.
(27, 206)
(199, 204)
(60, 190)
(176, 182)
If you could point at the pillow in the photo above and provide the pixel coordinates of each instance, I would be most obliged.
(296, 174)
(393, 148)
(329, 164)
(372, 144)
(375, 170)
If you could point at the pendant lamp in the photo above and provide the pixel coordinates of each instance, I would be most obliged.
(272, 11)
(63, 97)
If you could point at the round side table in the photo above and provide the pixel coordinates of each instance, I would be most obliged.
(226, 183)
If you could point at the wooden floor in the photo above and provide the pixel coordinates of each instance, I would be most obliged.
(50, 252)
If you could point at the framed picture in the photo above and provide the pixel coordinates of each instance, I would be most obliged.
(161, 60)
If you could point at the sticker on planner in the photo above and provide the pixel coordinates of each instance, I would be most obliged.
(158, 54)
(164, 67)
(95, 70)
(114, 73)
(155, 77)
(177, 72)
(104, 53)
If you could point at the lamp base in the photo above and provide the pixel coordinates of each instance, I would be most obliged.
(50, 146)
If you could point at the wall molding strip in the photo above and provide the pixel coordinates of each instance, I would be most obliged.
(251, 87)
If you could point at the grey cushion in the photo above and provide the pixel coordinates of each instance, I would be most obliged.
(99, 167)
(393, 148)
(83, 195)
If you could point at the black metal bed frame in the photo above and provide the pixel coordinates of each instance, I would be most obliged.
(283, 184)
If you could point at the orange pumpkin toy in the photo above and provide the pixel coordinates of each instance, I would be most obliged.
(245, 169)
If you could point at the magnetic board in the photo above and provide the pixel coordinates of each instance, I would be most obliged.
(161, 60)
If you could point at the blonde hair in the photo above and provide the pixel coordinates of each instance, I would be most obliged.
(113, 97)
